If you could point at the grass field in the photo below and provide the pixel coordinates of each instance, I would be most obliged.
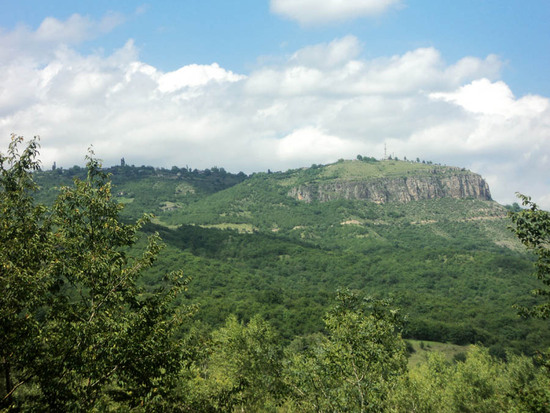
(423, 348)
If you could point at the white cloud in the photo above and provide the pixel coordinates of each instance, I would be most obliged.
(75, 29)
(303, 144)
(24, 43)
(505, 138)
(420, 69)
(306, 110)
(196, 75)
(316, 12)
(328, 55)
(487, 98)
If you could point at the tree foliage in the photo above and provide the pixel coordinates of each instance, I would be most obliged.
(480, 383)
(532, 227)
(25, 280)
(357, 365)
(243, 368)
(80, 332)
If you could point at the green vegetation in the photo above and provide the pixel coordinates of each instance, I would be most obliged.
(90, 324)
(480, 383)
(385, 168)
(532, 227)
(451, 264)
(420, 350)
(357, 365)
(72, 315)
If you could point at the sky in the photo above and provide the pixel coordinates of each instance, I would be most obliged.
(254, 85)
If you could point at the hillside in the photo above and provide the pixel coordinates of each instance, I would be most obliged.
(353, 193)
(280, 244)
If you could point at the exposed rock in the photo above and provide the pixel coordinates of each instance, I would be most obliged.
(458, 185)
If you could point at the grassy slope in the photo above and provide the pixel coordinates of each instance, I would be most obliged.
(360, 170)
(423, 348)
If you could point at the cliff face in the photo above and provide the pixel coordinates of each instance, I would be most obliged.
(399, 189)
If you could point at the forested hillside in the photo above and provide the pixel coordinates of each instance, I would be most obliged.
(436, 244)
(285, 291)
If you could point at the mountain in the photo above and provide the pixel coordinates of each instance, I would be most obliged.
(280, 244)
(366, 193)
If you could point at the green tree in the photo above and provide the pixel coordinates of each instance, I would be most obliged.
(480, 383)
(357, 365)
(242, 370)
(532, 227)
(25, 281)
(82, 334)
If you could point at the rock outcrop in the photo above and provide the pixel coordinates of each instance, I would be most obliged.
(458, 185)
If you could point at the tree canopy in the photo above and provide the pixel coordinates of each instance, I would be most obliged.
(532, 227)
(78, 331)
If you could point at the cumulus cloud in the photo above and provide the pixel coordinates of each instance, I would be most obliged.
(194, 76)
(420, 69)
(487, 98)
(504, 137)
(302, 144)
(324, 103)
(318, 12)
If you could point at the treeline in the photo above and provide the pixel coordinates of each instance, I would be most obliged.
(209, 180)
(144, 170)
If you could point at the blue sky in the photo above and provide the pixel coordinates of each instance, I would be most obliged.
(252, 85)
(170, 34)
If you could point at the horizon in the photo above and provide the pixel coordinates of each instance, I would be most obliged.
(391, 157)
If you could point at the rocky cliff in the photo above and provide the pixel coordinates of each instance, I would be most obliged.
(457, 184)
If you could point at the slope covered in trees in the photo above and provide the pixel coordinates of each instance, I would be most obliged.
(253, 247)
(89, 324)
